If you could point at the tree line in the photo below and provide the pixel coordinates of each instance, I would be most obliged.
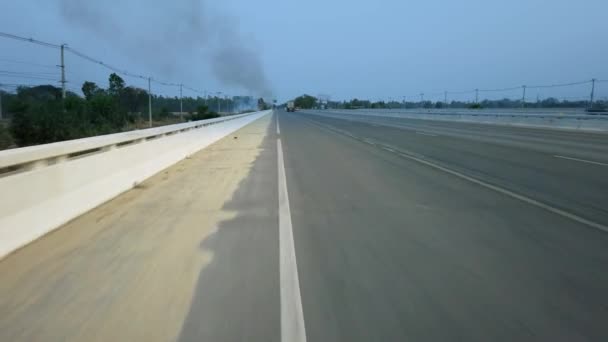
(309, 102)
(39, 114)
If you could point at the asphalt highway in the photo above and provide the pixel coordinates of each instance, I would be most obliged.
(392, 249)
(314, 227)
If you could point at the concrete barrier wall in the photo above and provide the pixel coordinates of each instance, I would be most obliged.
(45, 186)
(583, 122)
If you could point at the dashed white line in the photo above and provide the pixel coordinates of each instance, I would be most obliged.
(510, 193)
(582, 160)
(424, 133)
(388, 149)
(367, 141)
(292, 316)
(278, 128)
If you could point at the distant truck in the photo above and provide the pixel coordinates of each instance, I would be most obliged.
(291, 106)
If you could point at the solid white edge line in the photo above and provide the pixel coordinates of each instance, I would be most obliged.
(581, 160)
(278, 127)
(292, 316)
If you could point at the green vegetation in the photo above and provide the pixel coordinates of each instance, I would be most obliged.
(6, 140)
(485, 104)
(305, 102)
(262, 105)
(38, 115)
(202, 113)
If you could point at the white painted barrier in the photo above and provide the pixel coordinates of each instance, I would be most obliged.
(45, 186)
(555, 120)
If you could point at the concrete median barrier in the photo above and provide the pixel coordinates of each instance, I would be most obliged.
(45, 186)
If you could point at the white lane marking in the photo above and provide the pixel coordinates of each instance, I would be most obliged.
(278, 128)
(582, 160)
(528, 200)
(292, 316)
(388, 149)
(429, 134)
(510, 193)
(367, 141)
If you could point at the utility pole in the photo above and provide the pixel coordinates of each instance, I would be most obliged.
(476, 96)
(181, 106)
(150, 102)
(523, 97)
(62, 66)
(445, 98)
(0, 101)
(592, 92)
(404, 105)
(421, 99)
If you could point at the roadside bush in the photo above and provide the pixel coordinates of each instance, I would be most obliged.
(6, 140)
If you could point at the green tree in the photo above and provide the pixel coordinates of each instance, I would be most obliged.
(117, 85)
(89, 89)
(6, 140)
(305, 101)
(202, 109)
(262, 104)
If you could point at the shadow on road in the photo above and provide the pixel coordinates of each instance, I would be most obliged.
(237, 295)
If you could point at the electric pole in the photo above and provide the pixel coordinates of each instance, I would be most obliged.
(476, 96)
(445, 98)
(523, 97)
(62, 66)
(0, 101)
(421, 99)
(181, 106)
(150, 102)
(592, 93)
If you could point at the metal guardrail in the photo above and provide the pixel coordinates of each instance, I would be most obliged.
(33, 157)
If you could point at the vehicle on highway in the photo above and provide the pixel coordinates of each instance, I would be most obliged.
(291, 106)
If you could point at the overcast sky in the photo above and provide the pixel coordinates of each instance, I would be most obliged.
(344, 48)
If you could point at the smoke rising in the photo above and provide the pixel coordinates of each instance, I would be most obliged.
(167, 36)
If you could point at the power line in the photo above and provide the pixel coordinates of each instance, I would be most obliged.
(498, 90)
(461, 92)
(96, 61)
(27, 63)
(29, 40)
(29, 77)
(28, 73)
(560, 85)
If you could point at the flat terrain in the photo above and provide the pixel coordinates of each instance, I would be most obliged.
(403, 230)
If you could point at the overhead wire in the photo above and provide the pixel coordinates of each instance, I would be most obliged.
(172, 84)
(6, 60)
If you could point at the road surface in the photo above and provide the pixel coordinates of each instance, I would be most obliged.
(303, 226)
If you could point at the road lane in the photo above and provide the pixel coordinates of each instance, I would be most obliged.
(389, 250)
(526, 167)
(590, 145)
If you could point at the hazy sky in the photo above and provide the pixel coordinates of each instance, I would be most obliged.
(366, 49)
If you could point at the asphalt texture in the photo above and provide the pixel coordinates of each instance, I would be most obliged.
(390, 249)
(403, 230)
